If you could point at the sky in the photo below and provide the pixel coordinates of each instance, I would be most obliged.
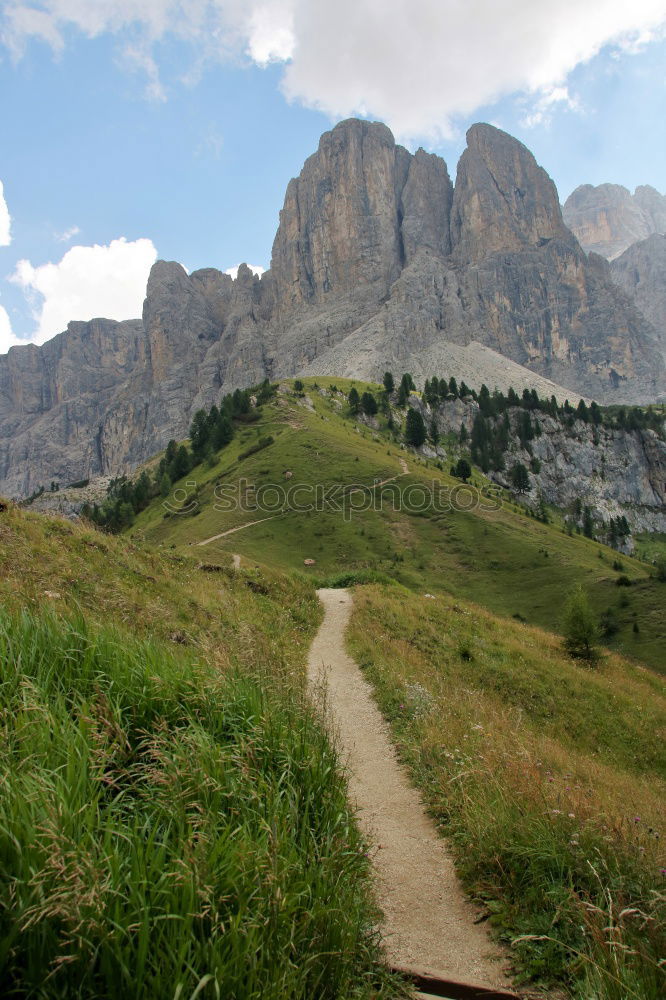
(138, 129)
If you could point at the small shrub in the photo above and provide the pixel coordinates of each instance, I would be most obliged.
(465, 651)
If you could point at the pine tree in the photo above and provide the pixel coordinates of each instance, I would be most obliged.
(520, 478)
(415, 430)
(462, 470)
(199, 432)
(582, 411)
(222, 432)
(354, 400)
(142, 490)
(165, 485)
(588, 523)
(485, 402)
(181, 464)
(581, 630)
(369, 404)
(389, 382)
(403, 394)
(406, 386)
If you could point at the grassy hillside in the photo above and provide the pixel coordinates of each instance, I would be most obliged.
(549, 777)
(173, 819)
(510, 563)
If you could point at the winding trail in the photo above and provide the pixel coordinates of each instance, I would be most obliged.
(428, 921)
(261, 520)
(239, 527)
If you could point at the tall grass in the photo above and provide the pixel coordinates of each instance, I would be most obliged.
(167, 831)
(547, 776)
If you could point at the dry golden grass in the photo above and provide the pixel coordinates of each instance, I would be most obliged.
(549, 777)
(246, 617)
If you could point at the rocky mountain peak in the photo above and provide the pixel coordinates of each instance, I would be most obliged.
(607, 218)
(340, 224)
(653, 206)
(503, 199)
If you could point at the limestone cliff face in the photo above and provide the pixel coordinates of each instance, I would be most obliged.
(377, 263)
(495, 264)
(641, 273)
(503, 200)
(360, 211)
(624, 472)
(615, 471)
(607, 219)
(340, 223)
(103, 396)
(529, 288)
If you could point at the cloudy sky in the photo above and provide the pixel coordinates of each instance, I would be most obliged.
(132, 129)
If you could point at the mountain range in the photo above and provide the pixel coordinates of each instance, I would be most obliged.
(379, 262)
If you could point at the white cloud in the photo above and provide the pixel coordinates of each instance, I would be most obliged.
(5, 220)
(271, 32)
(416, 64)
(542, 108)
(68, 234)
(255, 268)
(7, 338)
(87, 282)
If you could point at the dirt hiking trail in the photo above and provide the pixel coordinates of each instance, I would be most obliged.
(429, 923)
(261, 520)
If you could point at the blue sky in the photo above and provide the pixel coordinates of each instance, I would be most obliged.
(131, 129)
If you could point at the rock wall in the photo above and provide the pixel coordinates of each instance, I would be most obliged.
(614, 471)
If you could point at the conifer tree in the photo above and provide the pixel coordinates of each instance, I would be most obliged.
(415, 430)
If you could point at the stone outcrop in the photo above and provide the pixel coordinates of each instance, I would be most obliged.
(615, 472)
(607, 219)
(377, 263)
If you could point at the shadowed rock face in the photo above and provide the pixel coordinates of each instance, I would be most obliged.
(503, 200)
(377, 262)
(641, 273)
(607, 219)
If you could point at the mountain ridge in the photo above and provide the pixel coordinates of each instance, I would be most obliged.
(377, 258)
